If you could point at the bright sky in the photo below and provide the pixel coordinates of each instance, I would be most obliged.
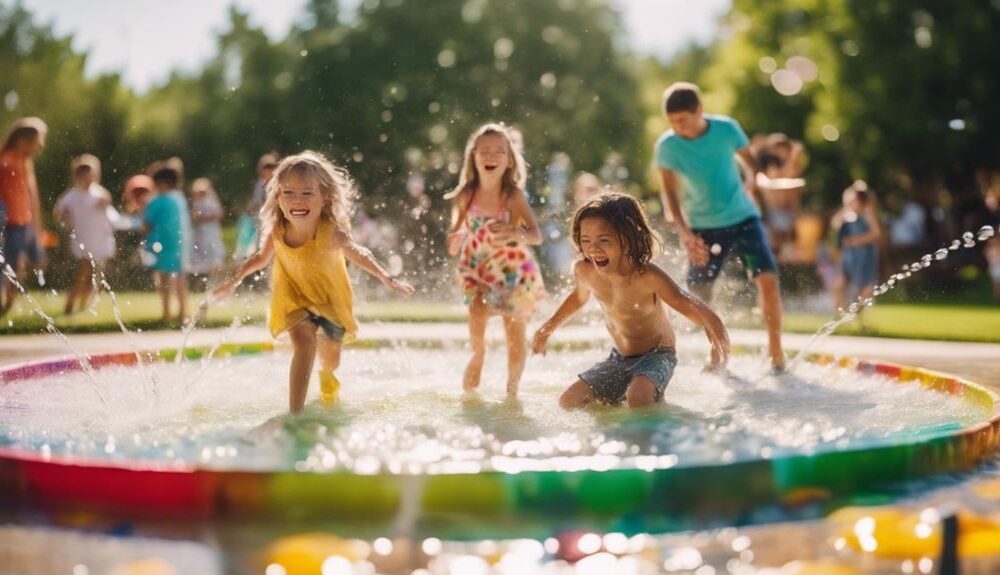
(147, 39)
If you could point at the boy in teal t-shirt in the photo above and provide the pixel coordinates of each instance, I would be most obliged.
(711, 208)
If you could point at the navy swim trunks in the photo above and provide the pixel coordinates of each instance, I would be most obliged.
(746, 240)
(609, 379)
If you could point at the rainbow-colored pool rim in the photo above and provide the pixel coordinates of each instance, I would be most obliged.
(656, 497)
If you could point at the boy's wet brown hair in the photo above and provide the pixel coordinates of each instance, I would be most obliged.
(628, 218)
(681, 97)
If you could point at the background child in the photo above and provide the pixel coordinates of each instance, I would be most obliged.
(20, 232)
(305, 223)
(86, 211)
(246, 225)
(615, 242)
(165, 228)
(858, 232)
(207, 250)
(491, 227)
(136, 194)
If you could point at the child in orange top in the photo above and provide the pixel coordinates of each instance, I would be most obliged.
(20, 206)
(615, 242)
(305, 223)
(492, 226)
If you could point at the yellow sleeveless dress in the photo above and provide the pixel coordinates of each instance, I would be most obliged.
(311, 278)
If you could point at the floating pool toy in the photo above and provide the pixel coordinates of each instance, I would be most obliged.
(895, 532)
(313, 553)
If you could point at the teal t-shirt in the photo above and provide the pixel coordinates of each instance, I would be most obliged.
(713, 195)
(169, 233)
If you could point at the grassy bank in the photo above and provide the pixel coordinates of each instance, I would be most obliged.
(141, 310)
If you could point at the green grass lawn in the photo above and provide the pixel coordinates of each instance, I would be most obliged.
(912, 321)
(141, 310)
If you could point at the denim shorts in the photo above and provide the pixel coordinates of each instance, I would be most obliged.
(747, 240)
(609, 379)
(331, 330)
(18, 241)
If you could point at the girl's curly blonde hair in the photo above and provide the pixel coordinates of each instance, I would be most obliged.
(335, 185)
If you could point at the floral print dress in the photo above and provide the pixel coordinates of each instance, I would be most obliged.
(506, 274)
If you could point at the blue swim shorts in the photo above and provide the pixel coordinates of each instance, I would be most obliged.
(20, 241)
(609, 379)
(747, 240)
(331, 330)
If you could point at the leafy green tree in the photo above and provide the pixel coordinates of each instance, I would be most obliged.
(903, 94)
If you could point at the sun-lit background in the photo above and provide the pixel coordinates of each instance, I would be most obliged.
(842, 467)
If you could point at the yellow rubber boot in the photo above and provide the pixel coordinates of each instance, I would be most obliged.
(329, 387)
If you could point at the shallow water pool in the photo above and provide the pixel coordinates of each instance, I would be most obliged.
(402, 411)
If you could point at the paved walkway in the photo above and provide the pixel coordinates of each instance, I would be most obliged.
(979, 362)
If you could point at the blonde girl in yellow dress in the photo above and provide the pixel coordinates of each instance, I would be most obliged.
(305, 226)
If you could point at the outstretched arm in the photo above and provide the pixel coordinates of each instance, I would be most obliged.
(459, 207)
(36, 202)
(696, 311)
(363, 258)
(750, 170)
(572, 304)
(670, 195)
(252, 264)
(523, 226)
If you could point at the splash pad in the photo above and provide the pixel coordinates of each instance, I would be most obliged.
(405, 451)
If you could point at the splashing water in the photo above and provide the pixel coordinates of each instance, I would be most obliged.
(50, 326)
(190, 324)
(149, 380)
(402, 411)
(968, 240)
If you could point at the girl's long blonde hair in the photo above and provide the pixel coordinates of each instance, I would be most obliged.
(514, 177)
(335, 185)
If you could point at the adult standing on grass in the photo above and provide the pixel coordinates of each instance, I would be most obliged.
(712, 208)
(20, 205)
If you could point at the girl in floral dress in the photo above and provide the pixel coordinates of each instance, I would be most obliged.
(492, 227)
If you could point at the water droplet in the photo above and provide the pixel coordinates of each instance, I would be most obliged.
(967, 236)
(985, 233)
(941, 254)
(716, 249)
(446, 58)
(955, 245)
(969, 243)
(786, 82)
